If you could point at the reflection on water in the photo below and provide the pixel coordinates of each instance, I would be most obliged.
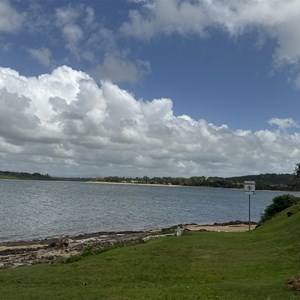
(32, 209)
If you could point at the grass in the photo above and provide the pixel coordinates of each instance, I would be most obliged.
(7, 176)
(252, 265)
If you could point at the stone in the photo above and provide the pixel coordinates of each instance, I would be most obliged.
(294, 284)
(179, 231)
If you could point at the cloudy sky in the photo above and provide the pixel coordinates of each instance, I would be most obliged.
(149, 87)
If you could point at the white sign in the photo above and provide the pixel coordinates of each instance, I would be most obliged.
(249, 187)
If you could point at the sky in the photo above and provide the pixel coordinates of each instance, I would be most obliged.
(149, 87)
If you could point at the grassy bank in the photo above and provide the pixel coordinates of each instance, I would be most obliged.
(252, 265)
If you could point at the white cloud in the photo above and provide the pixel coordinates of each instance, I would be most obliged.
(67, 19)
(91, 41)
(270, 19)
(73, 33)
(64, 123)
(115, 64)
(284, 123)
(90, 16)
(297, 81)
(43, 55)
(67, 15)
(118, 69)
(10, 19)
(74, 27)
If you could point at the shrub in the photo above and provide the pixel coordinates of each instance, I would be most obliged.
(278, 204)
(88, 250)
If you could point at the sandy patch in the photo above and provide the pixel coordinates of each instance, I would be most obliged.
(221, 228)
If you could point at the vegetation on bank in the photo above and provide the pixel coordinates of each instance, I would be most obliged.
(282, 182)
(36, 176)
(199, 265)
(278, 204)
(23, 175)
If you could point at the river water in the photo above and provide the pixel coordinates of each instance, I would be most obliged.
(38, 209)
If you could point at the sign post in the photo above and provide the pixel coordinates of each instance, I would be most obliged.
(249, 187)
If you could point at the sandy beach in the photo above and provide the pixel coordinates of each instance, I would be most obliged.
(241, 227)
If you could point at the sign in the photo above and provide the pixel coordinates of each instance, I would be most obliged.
(249, 187)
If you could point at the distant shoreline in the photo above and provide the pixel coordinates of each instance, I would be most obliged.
(185, 186)
(164, 185)
(273, 182)
(135, 183)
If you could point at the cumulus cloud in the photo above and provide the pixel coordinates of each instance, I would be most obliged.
(64, 123)
(271, 19)
(10, 19)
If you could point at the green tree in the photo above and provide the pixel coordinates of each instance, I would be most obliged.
(278, 204)
(297, 170)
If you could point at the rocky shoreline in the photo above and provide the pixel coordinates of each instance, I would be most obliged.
(54, 250)
(20, 253)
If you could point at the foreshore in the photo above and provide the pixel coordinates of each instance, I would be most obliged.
(52, 250)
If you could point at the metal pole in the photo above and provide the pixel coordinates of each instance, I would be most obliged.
(249, 210)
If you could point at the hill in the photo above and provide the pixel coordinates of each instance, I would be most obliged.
(283, 182)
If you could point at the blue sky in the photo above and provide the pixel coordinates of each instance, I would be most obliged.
(148, 87)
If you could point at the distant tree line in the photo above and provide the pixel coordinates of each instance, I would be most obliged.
(23, 175)
(283, 182)
(37, 176)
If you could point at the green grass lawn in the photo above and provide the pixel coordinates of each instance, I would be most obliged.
(252, 265)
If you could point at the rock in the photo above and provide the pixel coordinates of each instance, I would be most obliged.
(64, 242)
(58, 249)
(15, 265)
(157, 236)
(179, 231)
(294, 284)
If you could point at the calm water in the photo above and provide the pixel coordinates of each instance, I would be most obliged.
(35, 209)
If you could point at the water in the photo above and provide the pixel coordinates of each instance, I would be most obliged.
(38, 209)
